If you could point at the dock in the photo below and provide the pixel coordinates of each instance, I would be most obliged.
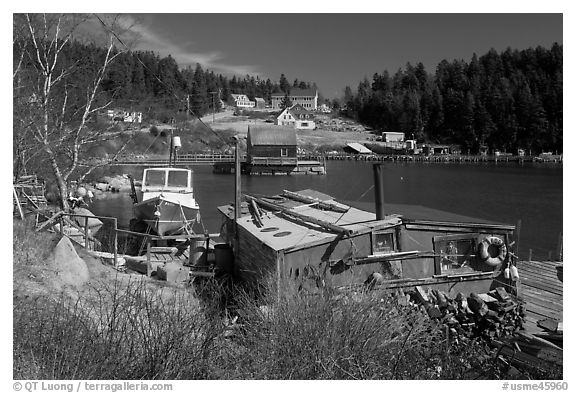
(274, 167)
(541, 288)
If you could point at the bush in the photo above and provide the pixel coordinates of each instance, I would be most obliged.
(154, 131)
(114, 332)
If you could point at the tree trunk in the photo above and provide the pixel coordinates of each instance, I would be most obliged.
(62, 186)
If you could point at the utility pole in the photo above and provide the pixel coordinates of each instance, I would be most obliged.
(213, 106)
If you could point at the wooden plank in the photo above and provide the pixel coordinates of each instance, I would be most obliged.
(543, 285)
(541, 291)
(544, 296)
(552, 303)
(532, 270)
(544, 311)
(318, 203)
(324, 224)
(51, 221)
(18, 203)
(543, 303)
(422, 224)
(551, 269)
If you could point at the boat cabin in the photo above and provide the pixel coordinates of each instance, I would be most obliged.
(310, 241)
(167, 179)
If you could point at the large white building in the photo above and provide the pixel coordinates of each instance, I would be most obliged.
(297, 117)
(241, 101)
(308, 98)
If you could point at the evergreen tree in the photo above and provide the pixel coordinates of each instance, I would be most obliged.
(286, 102)
(284, 84)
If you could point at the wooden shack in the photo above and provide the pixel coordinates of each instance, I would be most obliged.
(272, 148)
(310, 241)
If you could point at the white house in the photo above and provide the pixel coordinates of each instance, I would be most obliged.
(297, 117)
(121, 115)
(241, 101)
(308, 98)
(392, 136)
(324, 108)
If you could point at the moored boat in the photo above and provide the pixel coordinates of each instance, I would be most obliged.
(168, 206)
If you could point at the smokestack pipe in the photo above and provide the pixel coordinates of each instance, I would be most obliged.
(378, 191)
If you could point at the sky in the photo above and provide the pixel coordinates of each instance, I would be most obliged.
(335, 50)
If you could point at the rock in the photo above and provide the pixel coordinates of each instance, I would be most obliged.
(68, 266)
(102, 186)
(172, 272)
(434, 312)
(477, 305)
(374, 279)
(421, 294)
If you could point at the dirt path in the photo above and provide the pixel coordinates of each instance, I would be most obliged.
(315, 138)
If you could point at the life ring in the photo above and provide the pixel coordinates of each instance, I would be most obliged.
(486, 253)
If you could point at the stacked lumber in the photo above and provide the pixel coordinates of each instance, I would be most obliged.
(490, 315)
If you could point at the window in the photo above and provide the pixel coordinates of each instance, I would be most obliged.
(383, 242)
(177, 179)
(304, 124)
(283, 152)
(455, 254)
(155, 178)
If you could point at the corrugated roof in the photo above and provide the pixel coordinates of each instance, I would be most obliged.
(272, 135)
(359, 148)
(297, 92)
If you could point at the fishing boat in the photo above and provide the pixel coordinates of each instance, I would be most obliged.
(168, 206)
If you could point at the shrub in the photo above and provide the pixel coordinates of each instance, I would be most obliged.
(115, 332)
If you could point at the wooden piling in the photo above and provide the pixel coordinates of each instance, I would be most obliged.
(518, 229)
(529, 255)
(148, 263)
(115, 228)
(86, 230)
(559, 248)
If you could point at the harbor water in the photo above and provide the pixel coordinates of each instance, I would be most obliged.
(502, 192)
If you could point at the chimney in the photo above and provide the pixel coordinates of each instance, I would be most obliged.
(378, 191)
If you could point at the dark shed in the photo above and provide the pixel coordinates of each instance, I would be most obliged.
(271, 143)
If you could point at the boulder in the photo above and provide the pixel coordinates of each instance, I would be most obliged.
(69, 268)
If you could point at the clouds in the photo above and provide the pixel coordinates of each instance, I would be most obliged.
(153, 39)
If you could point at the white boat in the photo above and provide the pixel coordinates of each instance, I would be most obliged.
(167, 206)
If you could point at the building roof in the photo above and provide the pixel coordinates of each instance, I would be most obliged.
(359, 148)
(296, 235)
(272, 135)
(298, 110)
(259, 99)
(280, 233)
(295, 92)
(237, 96)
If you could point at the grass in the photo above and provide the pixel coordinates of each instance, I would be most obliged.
(129, 328)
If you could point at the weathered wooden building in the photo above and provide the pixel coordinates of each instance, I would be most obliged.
(310, 241)
(272, 147)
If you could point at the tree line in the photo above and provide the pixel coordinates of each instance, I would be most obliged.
(506, 100)
(146, 81)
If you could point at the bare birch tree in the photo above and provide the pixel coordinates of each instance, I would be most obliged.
(59, 97)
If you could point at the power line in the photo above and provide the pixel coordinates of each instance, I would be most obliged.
(168, 88)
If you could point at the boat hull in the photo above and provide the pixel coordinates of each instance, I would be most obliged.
(165, 217)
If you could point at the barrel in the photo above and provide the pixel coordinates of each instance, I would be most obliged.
(224, 258)
(198, 254)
